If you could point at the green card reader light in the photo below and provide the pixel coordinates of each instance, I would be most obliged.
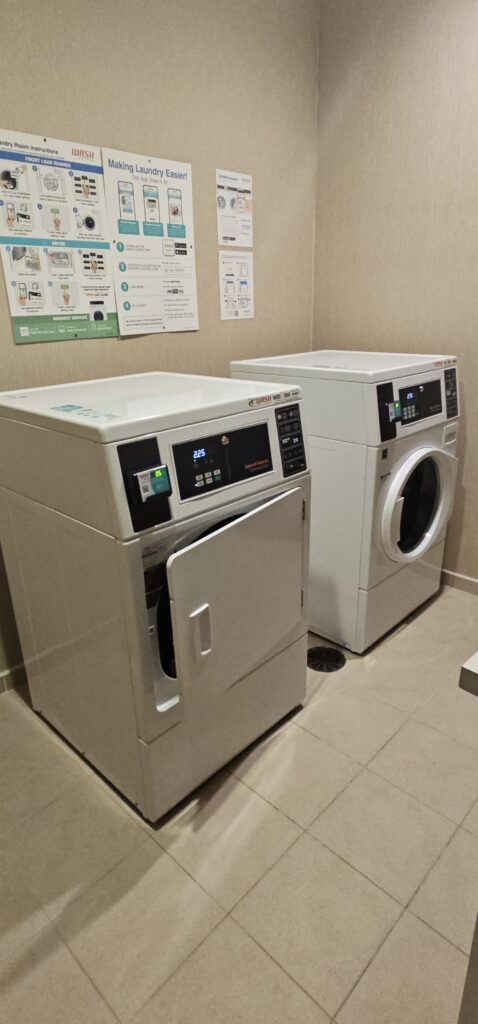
(394, 411)
(153, 481)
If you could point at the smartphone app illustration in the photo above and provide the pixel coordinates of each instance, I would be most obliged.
(151, 204)
(126, 200)
(175, 205)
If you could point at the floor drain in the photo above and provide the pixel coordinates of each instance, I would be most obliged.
(325, 659)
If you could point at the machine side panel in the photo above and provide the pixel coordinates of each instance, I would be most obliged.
(338, 474)
(71, 619)
(9, 519)
(60, 471)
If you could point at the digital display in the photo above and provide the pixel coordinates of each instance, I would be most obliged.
(199, 453)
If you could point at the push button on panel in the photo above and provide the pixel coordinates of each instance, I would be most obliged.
(451, 393)
(291, 441)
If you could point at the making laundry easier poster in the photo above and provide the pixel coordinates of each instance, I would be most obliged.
(53, 237)
(234, 208)
(236, 285)
(150, 210)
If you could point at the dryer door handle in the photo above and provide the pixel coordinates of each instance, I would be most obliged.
(396, 519)
(201, 631)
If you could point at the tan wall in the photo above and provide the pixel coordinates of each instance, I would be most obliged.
(194, 80)
(397, 223)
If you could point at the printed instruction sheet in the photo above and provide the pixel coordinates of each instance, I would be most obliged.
(236, 285)
(53, 237)
(150, 210)
(234, 208)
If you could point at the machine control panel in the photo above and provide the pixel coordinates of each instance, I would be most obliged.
(291, 440)
(208, 463)
(419, 401)
(153, 481)
(415, 402)
(451, 394)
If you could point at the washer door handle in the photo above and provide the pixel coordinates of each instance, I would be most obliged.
(201, 631)
(396, 519)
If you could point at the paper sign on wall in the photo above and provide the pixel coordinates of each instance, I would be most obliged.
(234, 208)
(53, 236)
(150, 211)
(236, 285)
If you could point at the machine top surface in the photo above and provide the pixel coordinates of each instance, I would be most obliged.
(117, 408)
(335, 364)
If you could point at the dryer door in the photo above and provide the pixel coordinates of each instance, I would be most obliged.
(235, 595)
(418, 503)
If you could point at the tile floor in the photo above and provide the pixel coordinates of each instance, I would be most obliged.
(330, 873)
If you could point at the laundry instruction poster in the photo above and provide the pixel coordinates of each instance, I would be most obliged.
(236, 285)
(234, 208)
(53, 237)
(150, 209)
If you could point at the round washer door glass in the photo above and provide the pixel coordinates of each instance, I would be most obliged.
(418, 503)
(420, 499)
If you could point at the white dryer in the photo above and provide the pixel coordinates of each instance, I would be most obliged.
(382, 431)
(156, 542)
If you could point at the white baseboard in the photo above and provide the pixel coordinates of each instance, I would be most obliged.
(460, 581)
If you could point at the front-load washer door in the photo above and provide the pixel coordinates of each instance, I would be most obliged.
(235, 595)
(418, 503)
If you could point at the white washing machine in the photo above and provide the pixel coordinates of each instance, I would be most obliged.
(382, 431)
(156, 542)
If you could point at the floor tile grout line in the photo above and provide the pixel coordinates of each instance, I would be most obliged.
(284, 813)
(49, 926)
(404, 906)
(337, 750)
(370, 962)
(205, 937)
(335, 798)
(362, 874)
(279, 965)
(442, 732)
(176, 970)
(268, 802)
(220, 906)
(88, 976)
(6, 839)
(363, 767)
(266, 872)
(404, 909)
(55, 921)
(437, 932)
(399, 905)
(412, 795)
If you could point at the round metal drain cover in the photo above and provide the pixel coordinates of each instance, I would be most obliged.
(325, 659)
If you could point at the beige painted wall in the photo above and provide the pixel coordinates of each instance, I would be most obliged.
(397, 221)
(183, 80)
